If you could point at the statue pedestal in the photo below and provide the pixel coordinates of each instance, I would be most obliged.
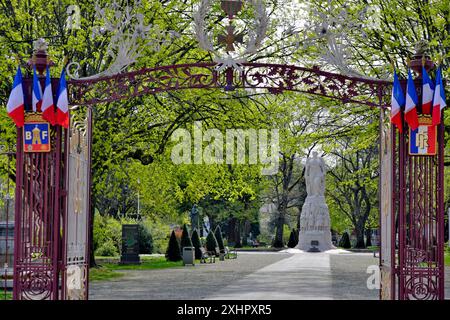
(315, 224)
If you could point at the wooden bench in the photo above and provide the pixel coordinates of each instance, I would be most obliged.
(211, 256)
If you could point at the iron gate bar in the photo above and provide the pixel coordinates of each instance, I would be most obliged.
(276, 78)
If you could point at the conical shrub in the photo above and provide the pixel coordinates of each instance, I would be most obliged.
(211, 243)
(185, 238)
(196, 242)
(292, 240)
(345, 241)
(218, 235)
(173, 249)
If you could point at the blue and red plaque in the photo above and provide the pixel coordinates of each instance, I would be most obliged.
(423, 140)
(36, 136)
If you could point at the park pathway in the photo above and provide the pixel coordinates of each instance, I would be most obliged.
(253, 276)
(303, 276)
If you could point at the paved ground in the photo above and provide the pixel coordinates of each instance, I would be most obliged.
(252, 276)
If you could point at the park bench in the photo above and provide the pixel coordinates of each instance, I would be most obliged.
(207, 255)
(230, 253)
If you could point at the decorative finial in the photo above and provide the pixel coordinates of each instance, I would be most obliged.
(40, 45)
(422, 47)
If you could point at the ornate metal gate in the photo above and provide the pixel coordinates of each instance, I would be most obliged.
(412, 215)
(53, 189)
(51, 209)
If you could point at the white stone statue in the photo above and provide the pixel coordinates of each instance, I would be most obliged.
(315, 171)
(315, 217)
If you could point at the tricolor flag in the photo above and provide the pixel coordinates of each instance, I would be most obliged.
(397, 101)
(37, 92)
(411, 104)
(427, 92)
(62, 103)
(423, 140)
(48, 107)
(439, 98)
(16, 102)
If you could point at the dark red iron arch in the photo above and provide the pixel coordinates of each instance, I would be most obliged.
(276, 78)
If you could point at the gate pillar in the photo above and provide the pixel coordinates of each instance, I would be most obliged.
(52, 200)
(417, 215)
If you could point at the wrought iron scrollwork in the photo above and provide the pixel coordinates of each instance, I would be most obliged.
(273, 77)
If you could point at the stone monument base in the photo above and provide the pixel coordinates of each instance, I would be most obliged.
(323, 237)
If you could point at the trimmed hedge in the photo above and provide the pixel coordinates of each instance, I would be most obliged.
(173, 252)
(196, 242)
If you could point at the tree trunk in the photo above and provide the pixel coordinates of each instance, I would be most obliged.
(368, 237)
(238, 243)
(231, 232)
(92, 263)
(278, 242)
(360, 237)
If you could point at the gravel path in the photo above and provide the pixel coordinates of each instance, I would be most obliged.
(184, 283)
(253, 276)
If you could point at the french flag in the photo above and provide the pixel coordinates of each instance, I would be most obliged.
(427, 92)
(411, 104)
(427, 148)
(62, 102)
(37, 92)
(397, 101)
(439, 98)
(48, 107)
(16, 102)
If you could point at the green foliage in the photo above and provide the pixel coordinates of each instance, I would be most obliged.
(145, 240)
(211, 243)
(345, 241)
(219, 238)
(185, 238)
(196, 242)
(107, 249)
(107, 234)
(173, 249)
(293, 239)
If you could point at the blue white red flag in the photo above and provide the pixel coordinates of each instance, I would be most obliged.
(411, 104)
(423, 140)
(397, 102)
(439, 102)
(16, 102)
(48, 107)
(62, 102)
(427, 92)
(37, 92)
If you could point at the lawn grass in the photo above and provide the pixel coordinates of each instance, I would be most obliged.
(101, 274)
(447, 258)
(108, 270)
(147, 263)
(8, 296)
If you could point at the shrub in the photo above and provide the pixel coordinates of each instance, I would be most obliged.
(292, 239)
(277, 243)
(345, 241)
(185, 238)
(160, 232)
(107, 229)
(145, 240)
(218, 235)
(173, 249)
(197, 244)
(107, 249)
(211, 242)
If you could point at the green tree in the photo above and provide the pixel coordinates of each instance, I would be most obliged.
(185, 238)
(196, 242)
(173, 249)
(292, 239)
(211, 243)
